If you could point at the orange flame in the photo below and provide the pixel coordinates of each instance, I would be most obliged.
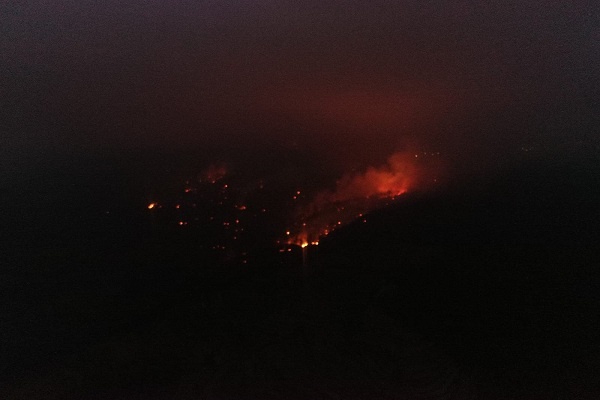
(354, 195)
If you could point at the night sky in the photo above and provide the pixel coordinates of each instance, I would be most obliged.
(277, 199)
(477, 81)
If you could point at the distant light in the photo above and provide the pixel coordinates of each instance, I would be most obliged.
(287, 233)
(151, 206)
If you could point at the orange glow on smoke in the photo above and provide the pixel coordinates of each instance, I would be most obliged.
(393, 178)
(354, 195)
(213, 173)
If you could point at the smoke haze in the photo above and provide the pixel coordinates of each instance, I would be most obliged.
(348, 82)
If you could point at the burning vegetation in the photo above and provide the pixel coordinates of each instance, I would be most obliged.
(236, 215)
(354, 196)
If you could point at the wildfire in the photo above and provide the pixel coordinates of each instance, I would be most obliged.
(233, 209)
(354, 195)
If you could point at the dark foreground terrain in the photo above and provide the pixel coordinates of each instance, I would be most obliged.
(487, 290)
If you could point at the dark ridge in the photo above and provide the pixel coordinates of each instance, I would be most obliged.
(502, 273)
(486, 289)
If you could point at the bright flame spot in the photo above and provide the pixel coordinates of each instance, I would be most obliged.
(304, 244)
(151, 206)
(355, 195)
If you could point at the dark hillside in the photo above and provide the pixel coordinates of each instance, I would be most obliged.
(503, 274)
(484, 290)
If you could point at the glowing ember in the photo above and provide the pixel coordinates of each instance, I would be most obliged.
(239, 213)
(354, 195)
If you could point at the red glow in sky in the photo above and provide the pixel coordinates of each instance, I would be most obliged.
(351, 82)
(356, 194)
